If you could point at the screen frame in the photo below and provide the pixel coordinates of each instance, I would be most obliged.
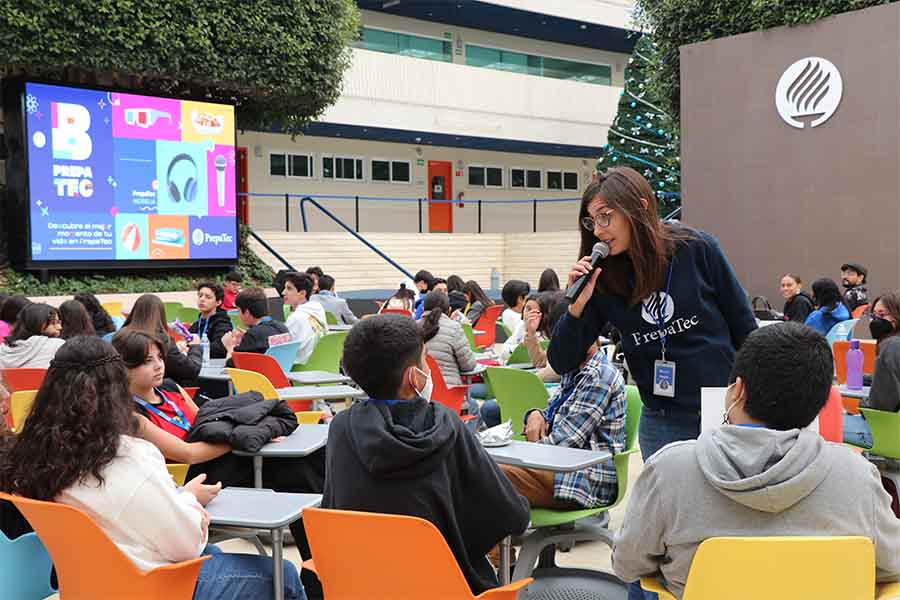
(18, 198)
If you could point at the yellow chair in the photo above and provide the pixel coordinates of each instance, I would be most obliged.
(178, 471)
(309, 417)
(251, 381)
(20, 407)
(113, 308)
(799, 568)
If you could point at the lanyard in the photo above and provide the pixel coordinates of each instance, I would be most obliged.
(205, 323)
(179, 420)
(660, 312)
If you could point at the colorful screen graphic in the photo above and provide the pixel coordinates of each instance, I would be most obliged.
(126, 177)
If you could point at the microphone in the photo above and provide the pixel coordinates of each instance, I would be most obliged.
(599, 252)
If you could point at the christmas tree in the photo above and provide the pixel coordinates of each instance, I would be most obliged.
(642, 135)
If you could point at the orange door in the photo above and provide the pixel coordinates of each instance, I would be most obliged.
(242, 186)
(440, 187)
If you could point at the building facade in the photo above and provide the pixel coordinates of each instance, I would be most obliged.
(446, 104)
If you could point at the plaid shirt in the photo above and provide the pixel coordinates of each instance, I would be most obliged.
(592, 417)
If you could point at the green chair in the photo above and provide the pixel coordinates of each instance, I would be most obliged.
(517, 392)
(885, 428)
(172, 310)
(326, 356)
(519, 355)
(330, 318)
(236, 320)
(287, 309)
(188, 315)
(467, 329)
(505, 329)
(551, 526)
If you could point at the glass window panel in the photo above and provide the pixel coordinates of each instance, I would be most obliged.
(554, 180)
(338, 168)
(514, 61)
(535, 64)
(517, 178)
(477, 56)
(327, 167)
(517, 62)
(400, 171)
(570, 180)
(381, 170)
(405, 44)
(494, 176)
(359, 169)
(299, 165)
(380, 41)
(277, 164)
(533, 178)
(476, 176)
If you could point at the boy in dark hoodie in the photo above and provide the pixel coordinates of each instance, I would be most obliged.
(213, 320)
(398, 453)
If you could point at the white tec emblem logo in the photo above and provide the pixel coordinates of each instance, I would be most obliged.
(658, 304)
(197, 236)
(809, 92)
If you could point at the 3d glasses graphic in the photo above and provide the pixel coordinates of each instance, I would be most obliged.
(145, 117)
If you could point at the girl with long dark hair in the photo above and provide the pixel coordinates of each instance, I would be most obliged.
(102, 321)
(34, 339)
(182, 362)
(79, 447)
(478, 301)
(75, 320)
(549, 281)
(830, 308)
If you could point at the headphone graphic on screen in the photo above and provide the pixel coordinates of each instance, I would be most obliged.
(188, 175)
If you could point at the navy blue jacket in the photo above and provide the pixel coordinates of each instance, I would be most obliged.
(707, 320)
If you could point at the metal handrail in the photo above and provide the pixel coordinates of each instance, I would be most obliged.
(274, 252)
(368, 244)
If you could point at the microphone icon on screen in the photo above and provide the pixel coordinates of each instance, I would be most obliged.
(220, 180)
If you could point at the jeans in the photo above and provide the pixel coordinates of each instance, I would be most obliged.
(635, 592)
(856, 431)
(478, 390)
(243, 577)
(490, 413)
(661, 427)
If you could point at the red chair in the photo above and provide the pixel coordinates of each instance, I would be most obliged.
(859, 311)
(487, 323)
(192, 392)
(451, 397)
(268, 367)
(21, 380)
(397, 311)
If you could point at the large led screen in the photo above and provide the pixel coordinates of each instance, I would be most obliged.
(116, 176)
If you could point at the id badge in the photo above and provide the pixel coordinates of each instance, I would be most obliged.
(664, 378)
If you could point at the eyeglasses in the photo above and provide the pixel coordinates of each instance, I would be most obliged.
(602, 220)
(879, 315)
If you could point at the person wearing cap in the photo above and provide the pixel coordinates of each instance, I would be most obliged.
(853, 277)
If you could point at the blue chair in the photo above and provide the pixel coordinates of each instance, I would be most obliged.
(841, 331)
(285, 354)
(25, 568)
(108, 337)
(118, 322)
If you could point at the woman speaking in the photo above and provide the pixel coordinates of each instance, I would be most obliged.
(672, 295)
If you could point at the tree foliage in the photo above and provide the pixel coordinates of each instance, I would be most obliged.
(281, 61)
(675, 23)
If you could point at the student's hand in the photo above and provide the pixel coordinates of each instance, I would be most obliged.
(181, 345)
(535, 426)
(280, 438)
(195, 339)
(532, 322)
(204, 493)
(230, 340)
(582, 267)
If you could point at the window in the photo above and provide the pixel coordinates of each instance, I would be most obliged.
(405, 44)
(516, 178)
(570, 180)
(396, 171)
(554, 180)
(533, 179)
(562, 180)
(476, 176)
(520, 177)
(542, 66)
(480, 176)
(340, 167)
(290, 165)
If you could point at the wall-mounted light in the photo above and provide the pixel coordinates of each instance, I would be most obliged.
(418, 151)
(257, 151)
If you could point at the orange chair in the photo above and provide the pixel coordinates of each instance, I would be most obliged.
(487, 323)
(381, 539)
(268, 367)
(20, 380)
(396, 311)
(859, 311)
(451, 397)
(90, 566)
(839, 350)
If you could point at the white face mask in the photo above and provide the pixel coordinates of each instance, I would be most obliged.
(728, 409)
(425, 393)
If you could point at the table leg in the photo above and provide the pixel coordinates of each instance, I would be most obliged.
(257, 471)
(505, 544)
(278, 563)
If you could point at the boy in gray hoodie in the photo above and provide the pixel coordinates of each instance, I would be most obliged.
(761, 474)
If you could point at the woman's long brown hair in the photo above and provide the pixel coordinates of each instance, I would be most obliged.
(652, 242)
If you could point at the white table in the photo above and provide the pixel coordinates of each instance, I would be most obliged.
(317, 377)
(478, 332)
(305, 440)
(214, 370)
(328, 393)
(523, 366)
(862, 394)
(335, 328)
(541, 456)
(262, 509)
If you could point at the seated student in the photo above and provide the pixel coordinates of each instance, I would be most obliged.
(10, 311)
(455, 283)
(34, 339)
(534, 328)
(478, 301)
(331, 303)
(88, 457)
(830, 309)
(212, 320)
(307, 322)
(587, 411)
(403, 299)
(316, 273)
(885, 391)
(797, 303)
(102, 321)
(254, 313)
(761, 474)
(445, 340)
(398, 453)
(232, 287)
(424, 282)
(439, 284)
(853, 276)
(75, 320)
(514, 294)
(549, 281)
(183, 359)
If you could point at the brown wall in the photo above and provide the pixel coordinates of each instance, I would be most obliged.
(782, 199)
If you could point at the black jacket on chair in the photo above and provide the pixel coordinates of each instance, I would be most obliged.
(245, 421)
